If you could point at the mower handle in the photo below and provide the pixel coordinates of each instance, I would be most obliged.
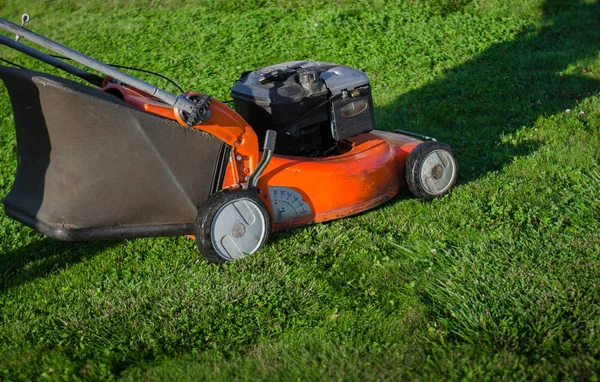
(179, 102)
(89, 77)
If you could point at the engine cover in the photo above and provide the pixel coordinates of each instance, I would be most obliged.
(292, 98)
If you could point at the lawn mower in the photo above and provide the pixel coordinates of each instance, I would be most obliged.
(125, 159)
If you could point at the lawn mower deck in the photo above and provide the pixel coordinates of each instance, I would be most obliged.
(367, 170)
(127, 159)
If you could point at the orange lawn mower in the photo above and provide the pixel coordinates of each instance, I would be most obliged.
(125, 159)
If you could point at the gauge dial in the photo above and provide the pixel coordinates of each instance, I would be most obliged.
(287, 204)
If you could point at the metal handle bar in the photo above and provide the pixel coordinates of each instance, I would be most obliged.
(89, 77)
(176, 101)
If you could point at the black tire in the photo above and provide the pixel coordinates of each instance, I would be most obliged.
(431, 170)
(220, 206)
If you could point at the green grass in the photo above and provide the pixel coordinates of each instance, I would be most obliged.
(498, 280)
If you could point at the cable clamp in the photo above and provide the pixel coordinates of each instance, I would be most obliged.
(24, 20)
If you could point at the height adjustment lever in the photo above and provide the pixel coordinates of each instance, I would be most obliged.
(268, 148)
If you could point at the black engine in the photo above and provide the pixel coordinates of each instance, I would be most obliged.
(312, 105)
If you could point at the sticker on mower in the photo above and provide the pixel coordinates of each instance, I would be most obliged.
(287, 204)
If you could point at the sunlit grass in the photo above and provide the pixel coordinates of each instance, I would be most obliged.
(499, 279)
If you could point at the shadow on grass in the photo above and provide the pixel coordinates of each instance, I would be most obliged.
(43, 258)
(505, 88)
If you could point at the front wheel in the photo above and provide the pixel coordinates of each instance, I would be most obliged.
(231, 224)
(431, 170)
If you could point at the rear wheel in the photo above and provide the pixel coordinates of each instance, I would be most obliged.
(431, 170)
(231, 224)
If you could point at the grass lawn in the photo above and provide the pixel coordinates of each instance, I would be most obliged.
(499, 279)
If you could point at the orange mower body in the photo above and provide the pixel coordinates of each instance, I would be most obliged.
(302, 190)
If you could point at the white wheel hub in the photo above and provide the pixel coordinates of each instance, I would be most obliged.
(238, 228)
(437, 172)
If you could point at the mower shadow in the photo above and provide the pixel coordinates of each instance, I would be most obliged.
(43, 258)
(504, 89)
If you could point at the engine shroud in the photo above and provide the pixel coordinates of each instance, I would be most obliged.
(277, 96)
